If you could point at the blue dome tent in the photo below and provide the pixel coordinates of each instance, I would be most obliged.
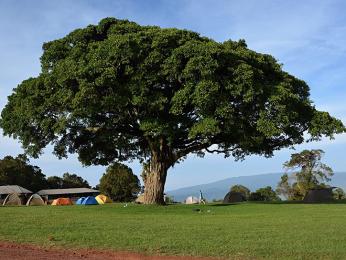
(90, 201)
(80, 201)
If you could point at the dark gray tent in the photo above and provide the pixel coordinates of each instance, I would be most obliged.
(232, 197)
(319, 195)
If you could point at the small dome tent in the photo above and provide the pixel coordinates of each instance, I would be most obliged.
(191, 200)
(90, 201)
(62, 202)
(80, 201)
(140, 199)
(103, 199)
(35, 200)
(13, 200)
(232, 197)
(319, 195)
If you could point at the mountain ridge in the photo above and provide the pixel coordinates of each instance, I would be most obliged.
(218, 189)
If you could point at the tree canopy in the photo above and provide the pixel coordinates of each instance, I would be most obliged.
(67, 181)
(119, 91)
(308, 173)
(18, 171)
(339, 194)
(119, 183)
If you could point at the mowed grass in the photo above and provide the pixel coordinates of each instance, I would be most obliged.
(239, 231)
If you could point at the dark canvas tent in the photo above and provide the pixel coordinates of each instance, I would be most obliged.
(232, 197)
(90, 201)
(11, 189)
(13, 199)
(319, 195)
(35, 200)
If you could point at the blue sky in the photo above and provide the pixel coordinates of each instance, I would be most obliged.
(308, 37)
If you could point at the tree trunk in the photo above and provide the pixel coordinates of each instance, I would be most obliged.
(155, 183)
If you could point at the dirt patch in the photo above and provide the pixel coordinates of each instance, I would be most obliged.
(15, 251)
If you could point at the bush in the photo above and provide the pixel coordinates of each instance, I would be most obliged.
(264, 194)
(119, 183)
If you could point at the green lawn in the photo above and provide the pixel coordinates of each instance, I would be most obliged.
(275, 231)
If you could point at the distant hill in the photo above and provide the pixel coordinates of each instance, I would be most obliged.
(218, 189)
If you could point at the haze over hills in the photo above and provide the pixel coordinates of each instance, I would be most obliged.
(218, 189)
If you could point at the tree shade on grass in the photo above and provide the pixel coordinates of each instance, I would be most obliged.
(118, 91)
(240, 231)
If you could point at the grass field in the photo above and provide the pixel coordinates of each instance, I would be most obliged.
(284, 231)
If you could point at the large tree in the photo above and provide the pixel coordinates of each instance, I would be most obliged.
(119, 91)
(18, 171)
(308, 172)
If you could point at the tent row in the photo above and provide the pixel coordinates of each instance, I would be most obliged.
(90, 200)
(16, 199)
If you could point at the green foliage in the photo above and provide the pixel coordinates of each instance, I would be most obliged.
(119, 183)
(169, 200)
(55, 182)
(264, 194)
(311, 175)
(242, 189)
(67, 181)
(18, 171)
(112, 91)
(339, 194)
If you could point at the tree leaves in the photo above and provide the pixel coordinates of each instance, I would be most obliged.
(110, 92)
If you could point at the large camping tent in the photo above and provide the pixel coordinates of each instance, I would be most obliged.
(319, 195)
(191, 200)
(10, 189)
(90, 201)
(80, 201)
(13, 200)
(232, 197)
(103, 199)
(35, 200)
(62, 202)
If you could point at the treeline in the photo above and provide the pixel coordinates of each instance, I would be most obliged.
(262, 194)
(19, 171)
(305, 171)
